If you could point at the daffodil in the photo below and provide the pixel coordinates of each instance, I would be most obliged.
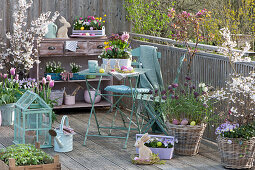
(100, 18)
(103, 21)
(106, 46)
(97, 18)
(106, 42)
(104, 15)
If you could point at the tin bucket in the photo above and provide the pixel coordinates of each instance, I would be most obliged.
(65, 141)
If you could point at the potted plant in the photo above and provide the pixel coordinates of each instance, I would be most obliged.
(54, 69)
(27, 156)
(117, 51)
(236, 137)
(90, 26)
(186, 114)
(75, 68)
(161, 145)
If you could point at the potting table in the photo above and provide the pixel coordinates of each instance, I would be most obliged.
(132, 94)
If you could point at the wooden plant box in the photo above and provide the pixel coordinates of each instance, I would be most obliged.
(96, 32)
(53, 166)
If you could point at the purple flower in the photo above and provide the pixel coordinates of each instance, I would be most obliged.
(187, 78)
(170, 87)
(17, 77)
(172, 96)
(5, 76)
(164, 97)
(156, 91)
(12, 71)
(176, 97)
(205, 105)
(196, 94)
(150, 92)
(185, 84)
(163, 92)
(174, 85)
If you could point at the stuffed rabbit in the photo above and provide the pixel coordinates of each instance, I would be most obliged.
(144, 151)
(62, 32)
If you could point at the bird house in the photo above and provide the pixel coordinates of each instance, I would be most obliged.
(32, 120)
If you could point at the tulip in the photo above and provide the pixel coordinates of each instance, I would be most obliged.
(17, 77)
(5, 76)
(174, 85)
(51, 84)
(48, 77)
(184, 122)
(12, 71)
(43, 80)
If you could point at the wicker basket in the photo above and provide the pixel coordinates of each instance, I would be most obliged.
(188, 137)
(58, 96)
(236, 153)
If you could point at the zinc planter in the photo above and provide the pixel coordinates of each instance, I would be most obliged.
(236, 153)
(122, 62)
(189, 138)
(92, 92)
(163, 153)
(7, 114)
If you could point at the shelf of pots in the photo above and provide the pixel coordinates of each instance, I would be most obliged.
(186, 114)
(236, 137)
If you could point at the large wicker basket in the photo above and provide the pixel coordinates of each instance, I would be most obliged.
(236, 153)
(188, 137)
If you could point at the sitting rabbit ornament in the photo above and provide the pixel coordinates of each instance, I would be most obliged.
(144, 152)
(62, 32)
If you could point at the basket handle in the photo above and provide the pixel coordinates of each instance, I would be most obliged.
(64, 120)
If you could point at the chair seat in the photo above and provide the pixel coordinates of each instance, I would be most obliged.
(125, 89)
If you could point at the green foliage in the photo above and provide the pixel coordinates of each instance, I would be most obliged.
(149, 17)
(75, 67)
(245, 131)
(53, 67)
(153, 160)
(25, 154)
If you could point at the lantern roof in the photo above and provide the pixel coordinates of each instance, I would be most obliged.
(29, 98)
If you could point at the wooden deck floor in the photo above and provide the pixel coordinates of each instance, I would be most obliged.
(107, 153)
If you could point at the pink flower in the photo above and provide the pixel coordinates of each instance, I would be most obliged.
(48, 77)
(12, 71)
(17, 77)
(125, 36)
(51, 84)
(89, 20)
(92, 18)
(43, 80)
(91, 28)
(92, 34)
(1, 75)
(80, 18)
(5, 76)
(108, 49)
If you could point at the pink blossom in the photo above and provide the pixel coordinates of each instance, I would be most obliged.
(48, 77)
(80, 18)
(99, 23)
(125, 36)
(44, 81)
(92, 18)
(89, 20)
(51, 84)
(92, 34)
(5, 76)
(17, 77)
(91, 28)
(1, 75)
(108, 49)
(12, 71)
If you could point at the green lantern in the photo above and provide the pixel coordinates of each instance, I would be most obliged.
(32, 120)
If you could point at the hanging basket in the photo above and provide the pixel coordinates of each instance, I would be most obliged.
(236, 153)
(188, 137)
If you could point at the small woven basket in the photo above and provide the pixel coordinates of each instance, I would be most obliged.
(236, 153)
(188, 137)
(58, 96)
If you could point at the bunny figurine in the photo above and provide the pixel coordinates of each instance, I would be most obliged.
(62, 32)
(144, 151)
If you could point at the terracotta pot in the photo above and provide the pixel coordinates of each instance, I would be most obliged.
(69, 100)
(87, 98)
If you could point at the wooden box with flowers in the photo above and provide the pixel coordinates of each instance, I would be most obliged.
(187, 113)
(90, 26)
(161, 145)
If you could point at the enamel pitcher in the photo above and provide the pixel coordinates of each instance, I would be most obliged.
(52, 31)
(63, 142)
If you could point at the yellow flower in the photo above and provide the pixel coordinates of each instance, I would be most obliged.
(97, 18)
(104, 15)
(82, 28)
(106, 46)
(100, 18)
(103, 21)
(105, 43)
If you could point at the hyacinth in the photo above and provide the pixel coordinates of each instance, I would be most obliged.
(226, 127)
(228, 48)
(22, 40)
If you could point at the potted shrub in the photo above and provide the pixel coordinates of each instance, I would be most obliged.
(26, 156)
(75, 68)
(117, 51)
(54, 69)
(161, 145)
(236, 137)
(90, 26)
(186, 113)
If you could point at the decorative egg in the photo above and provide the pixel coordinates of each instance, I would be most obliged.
(184, 122)
(130, 68)
(87, 34)
(92, 34)
(193, 123)
(176, 122)
(159, 144)
(125, 70)
(123, 67)
(112, 70)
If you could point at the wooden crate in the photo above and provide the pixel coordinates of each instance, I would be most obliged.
(96, 32)
(53, 166)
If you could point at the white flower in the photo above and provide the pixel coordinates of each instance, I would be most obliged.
(201, 85)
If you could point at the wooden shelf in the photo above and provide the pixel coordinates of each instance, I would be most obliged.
(83, 105)
(77, 81)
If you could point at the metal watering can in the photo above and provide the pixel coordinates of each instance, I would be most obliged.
(63, 142)
(52, 31)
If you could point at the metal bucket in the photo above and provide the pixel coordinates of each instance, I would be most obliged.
(7, 114)
(65, 142)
